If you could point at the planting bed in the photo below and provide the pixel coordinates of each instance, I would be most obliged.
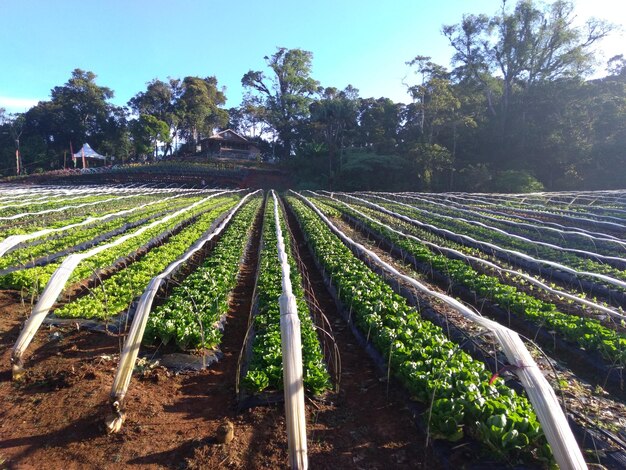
(395, 376)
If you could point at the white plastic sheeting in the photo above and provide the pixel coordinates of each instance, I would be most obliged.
(59, 278)
(589, 254)
(553, 421)
(291, 342)
(138, 326)
(134, 192)
(61, 209)
(538, 227)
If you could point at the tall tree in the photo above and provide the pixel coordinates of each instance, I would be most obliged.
(523, 48)
(379, 125)
(436, 109)
(78, 111)
(82, 104)
(147, 132)
(160, 101)
(283, 99)
(334, 115)
(199, 108)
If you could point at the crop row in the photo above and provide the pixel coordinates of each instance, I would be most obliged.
(191, 315)
(79, 235)
(265, 367)
(535, 232)
(464, 228)
(55, 204)
(34, 279)
(114, 294)
(71, 216)
(586, 332)
(431, 367)
(439, 244)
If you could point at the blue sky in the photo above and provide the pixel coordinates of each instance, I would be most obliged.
(127, 43)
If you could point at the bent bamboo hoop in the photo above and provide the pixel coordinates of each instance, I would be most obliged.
(115, 419)
(57, 282)
(553, 421)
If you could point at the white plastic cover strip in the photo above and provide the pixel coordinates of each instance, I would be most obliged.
(468, 258)
(57, 282)
(291, 342)
(64, 208)
(590, 254)
(553, 421)
(536, 227)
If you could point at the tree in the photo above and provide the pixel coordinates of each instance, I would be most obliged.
(11, 130)
(437, 108)
(283, 100)
(77, 112)
(147, 132)
(379, 125)
(523, 48)
(333, 116)
(198, 108)
(82, 104)
(160, 100)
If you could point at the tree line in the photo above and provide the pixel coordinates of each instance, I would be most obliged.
(515, 112)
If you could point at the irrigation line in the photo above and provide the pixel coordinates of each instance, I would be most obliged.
(584, 253)
(490, 246)
(592, 236)
(13, 240)
(469, 259)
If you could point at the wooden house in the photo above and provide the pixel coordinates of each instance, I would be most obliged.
(231, 145)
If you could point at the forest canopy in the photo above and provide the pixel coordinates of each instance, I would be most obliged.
(514, 111)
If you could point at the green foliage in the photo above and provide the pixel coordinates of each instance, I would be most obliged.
(199, 107)
(587, 332)
(516, 181)
(147, 131)
(35, 279)
(265, 369)
(193, 309)
(116, 293)
(429, 365)
(53, 244)
(366, 170)
(283, 103)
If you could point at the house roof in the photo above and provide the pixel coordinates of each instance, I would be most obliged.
(230, 135)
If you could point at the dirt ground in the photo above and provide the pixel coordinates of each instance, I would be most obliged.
(54, 418)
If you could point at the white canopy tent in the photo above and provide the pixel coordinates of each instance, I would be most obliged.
(87, 152)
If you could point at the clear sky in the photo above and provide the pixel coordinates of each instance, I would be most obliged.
(127, 43)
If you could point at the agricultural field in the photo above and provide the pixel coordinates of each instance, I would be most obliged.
(140, 327)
